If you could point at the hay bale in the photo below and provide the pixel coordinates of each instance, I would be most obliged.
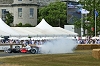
(79, 47)
(94, 46)
(96, 53)
(98, 45)
(86, 46)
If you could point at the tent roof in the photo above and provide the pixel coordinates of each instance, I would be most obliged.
(6, 30)
(2, 33)
(53, 30)
(44, 25)
(28, 31)
(34, 31)
(43, 29)
(65, 31)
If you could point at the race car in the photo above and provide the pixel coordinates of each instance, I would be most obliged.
(28, 49)
(31, 49)
(14, 50)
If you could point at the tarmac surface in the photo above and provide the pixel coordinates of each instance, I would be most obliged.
(3, 54)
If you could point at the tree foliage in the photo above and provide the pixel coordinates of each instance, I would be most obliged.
(91, 5)
(19, 25)
(25, 25)
(54, 14)
(9, 19)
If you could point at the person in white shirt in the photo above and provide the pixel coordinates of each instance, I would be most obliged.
(33, 42)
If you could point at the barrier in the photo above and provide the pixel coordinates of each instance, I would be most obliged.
(87, 46)
(6, 46)
(79, 46)
(96, 53)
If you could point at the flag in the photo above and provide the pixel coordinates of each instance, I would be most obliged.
(96, 13)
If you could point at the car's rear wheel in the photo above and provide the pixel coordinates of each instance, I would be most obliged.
(33, 51)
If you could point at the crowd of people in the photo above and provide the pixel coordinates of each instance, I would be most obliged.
(88, 40)
(37, 42)
(79, 40)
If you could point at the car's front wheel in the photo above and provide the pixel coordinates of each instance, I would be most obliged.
(9, 50)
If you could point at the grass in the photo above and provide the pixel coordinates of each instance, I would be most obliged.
(78, 58)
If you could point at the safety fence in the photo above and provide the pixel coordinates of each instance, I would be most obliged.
(6, 46)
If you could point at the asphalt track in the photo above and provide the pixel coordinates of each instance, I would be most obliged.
(3, 54)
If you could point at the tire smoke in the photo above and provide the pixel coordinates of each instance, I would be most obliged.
(56, 46)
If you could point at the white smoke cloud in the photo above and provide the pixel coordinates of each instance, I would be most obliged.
(61, 45)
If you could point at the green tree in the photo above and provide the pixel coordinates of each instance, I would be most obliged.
(25, 25)
(91, 5)
(54, 14)
(19, 25)
(9, 19)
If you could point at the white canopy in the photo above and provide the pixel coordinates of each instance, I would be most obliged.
(43, 29)
(84, 11)
(95, 37)
(24, 38)
(2, 33)
(44, 25)
(13, 38)
(53, 30)
(1, 38)
(5, 30)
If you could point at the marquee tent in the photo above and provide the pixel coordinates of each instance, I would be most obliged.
(1, 38)
(24, 38)
(58, 31)
(2, 33)
(43, 29)
(5, 30)
(13, 38)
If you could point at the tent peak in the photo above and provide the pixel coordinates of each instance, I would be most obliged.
(44, 25)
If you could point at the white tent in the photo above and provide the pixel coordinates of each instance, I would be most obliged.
(5, 30)
(13, 38)
(2, 33)
(95, 37)
(24, 38)
(42, 38)
(23, 31)
(1, 38)
(44, 25)
(84, 11)
(67, 32)
(43, 29)
(57, 31)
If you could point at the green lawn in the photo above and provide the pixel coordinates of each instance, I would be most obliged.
(78, 58)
